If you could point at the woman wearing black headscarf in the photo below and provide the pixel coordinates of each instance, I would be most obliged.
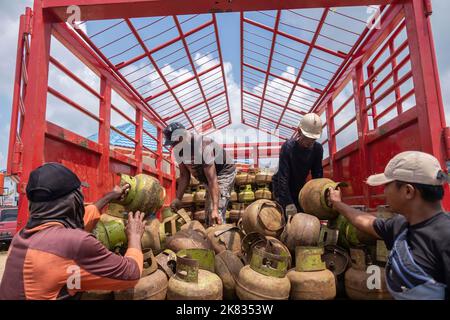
(54, 256)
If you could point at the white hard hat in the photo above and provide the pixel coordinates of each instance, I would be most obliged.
(311, 126)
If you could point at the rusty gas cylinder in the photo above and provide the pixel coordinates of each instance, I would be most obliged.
(151, 286)
(145, 195)
(200, 196)
(265, 278)
(192, 283)
(227, 267)
(264, 216)
(263, 176)
(311, 280)
(356, 279)
(313, 198)
(188, 239)
(225, 237)
(194, 225)
(187, 200)
(301, 230)
(200, 215)
(167, 261)
(235, 215)
(263, 192)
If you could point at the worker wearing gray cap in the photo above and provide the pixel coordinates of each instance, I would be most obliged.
(418, 266)
(299, 156)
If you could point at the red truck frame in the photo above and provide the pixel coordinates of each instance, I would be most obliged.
(377, 66)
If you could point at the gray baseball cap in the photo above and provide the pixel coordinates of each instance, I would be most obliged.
(412, 167)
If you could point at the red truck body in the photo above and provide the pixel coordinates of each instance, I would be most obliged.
(387, 69)
(8, 224)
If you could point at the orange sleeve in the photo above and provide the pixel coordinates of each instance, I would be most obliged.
(91, 217)
(137, 256)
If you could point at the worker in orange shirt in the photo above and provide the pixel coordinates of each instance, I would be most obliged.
(55, 246)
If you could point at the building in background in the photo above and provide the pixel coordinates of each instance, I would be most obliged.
(8, 192)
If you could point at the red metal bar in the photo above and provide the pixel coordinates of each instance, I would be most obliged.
(17, 105)
(273, 102)
(331, 138)
(216, 31)
(82, 47)
(121, 113)
(73, 104)
(181, 83)
(160, 154)
(362, 123)
(35, 104)
(195, 105)
(299, 40)
(315, 90)
(155, 65)
(104, 134)
(114, 9)
(395, 69)
(162, 46)
(345, 126)
(124, 135)
(385, 47)
(391, 13)
(397, 102)
(305, 60)
(75, 78)
(138, 154)
(342, 107)
(385, 63)
(269, 64)
(392, 74)
(402, 80)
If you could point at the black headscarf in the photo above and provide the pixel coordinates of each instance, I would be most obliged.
(68, 210)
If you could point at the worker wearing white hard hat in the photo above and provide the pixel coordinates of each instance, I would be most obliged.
(299, 156)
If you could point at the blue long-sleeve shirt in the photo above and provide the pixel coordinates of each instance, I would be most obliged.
(295, 164)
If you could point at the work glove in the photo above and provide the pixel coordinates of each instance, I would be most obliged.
(291, 209)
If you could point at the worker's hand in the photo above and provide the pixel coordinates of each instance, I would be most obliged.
(334, 196)
(135, 229)
(291, 209)
(175, 205)
(119, 193)
(216, 218)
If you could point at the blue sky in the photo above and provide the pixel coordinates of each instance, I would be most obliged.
(229, 32)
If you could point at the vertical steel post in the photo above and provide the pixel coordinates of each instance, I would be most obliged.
(362, 124)
(139, 138)
(104, 132)
(331, 137)
(427, 87)
(34, 124)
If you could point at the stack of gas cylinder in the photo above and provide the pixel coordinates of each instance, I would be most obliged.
(250, 185)
(259, 254)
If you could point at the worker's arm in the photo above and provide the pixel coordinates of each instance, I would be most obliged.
(183, 183)
(214, 191)
(317, 169)
(100, 269)
(361, 220)
(118, 193)
(283, 191)
(92, 213)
